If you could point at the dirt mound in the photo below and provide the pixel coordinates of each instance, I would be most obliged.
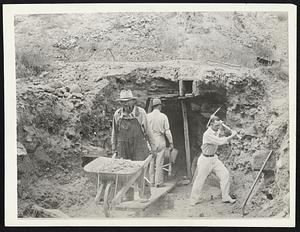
(237, 38)
(49, 138)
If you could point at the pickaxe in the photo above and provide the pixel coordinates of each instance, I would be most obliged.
(227, 127)
(212, 116)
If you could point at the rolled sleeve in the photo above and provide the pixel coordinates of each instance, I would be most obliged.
(211, 138)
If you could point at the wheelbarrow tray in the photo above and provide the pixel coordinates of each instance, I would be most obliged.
(128, 178)
(110, 175)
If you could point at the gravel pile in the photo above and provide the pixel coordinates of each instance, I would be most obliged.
(109, 165)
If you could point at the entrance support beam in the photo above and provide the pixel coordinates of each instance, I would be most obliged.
(149, 105)
(186, 138)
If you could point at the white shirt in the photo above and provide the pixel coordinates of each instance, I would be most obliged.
(159, 124)
(211, 141)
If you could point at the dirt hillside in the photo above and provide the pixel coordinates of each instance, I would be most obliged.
(70, 69)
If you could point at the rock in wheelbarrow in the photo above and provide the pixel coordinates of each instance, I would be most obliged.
(183, 182)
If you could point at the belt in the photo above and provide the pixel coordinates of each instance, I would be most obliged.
(208, 155)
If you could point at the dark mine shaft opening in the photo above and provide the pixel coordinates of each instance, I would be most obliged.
(199, 109)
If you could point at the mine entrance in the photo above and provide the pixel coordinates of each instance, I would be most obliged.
(198, 110)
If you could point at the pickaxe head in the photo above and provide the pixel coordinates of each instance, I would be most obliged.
(211, 116)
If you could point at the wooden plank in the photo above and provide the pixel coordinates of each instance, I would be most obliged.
(185, 97)
(170, 95)
(186, 139)
(156, 194)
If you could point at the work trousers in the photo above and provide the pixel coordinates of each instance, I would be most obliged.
(205, 166)
(156, 171)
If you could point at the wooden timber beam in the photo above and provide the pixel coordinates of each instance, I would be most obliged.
(186, 139)
(149, 105)
(182, 93)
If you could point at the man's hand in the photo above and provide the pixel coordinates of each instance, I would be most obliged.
(234, 133)
(171, 146)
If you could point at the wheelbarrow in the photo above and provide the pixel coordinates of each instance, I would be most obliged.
(114, 184)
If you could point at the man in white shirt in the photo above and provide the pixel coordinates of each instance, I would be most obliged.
(159, 124)
(208, 162)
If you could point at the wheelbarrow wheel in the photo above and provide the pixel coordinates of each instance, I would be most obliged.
(108, 196)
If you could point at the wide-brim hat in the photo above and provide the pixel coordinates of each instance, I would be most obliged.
(126, 95)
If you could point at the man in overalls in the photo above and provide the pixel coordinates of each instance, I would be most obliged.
(129, 129)
(208, 162)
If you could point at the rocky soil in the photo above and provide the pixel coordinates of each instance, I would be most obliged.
(70, 69)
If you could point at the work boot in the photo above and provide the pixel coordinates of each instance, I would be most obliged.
(230, 200)
(193, 203)
(160, 185)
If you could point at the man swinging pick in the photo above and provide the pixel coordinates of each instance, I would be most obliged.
(208, 161)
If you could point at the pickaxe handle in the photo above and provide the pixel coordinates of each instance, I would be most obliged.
(212, 116)
(228, 128)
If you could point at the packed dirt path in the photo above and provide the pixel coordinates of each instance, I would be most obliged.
(176, 205)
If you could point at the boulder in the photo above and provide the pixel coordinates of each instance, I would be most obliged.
(49, 89)
(86, 88)
(64, 115)
(21, 149)
(78, 104)
(70, 133)
(75, 89)
(286, 199)
(67, 94)
(98, 78)
(58, 93)
(167, 202)
(69, 106)
(91, 151)
(259, 158)
(56, 84)
(43, 74)
(251, 131)
(77, 95)
(41, 155)
(183, 182)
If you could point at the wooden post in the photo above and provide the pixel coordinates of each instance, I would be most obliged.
(149, 108)
(186, 138)
(181, 88)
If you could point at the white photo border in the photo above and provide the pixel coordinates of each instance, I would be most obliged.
(10, 10)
